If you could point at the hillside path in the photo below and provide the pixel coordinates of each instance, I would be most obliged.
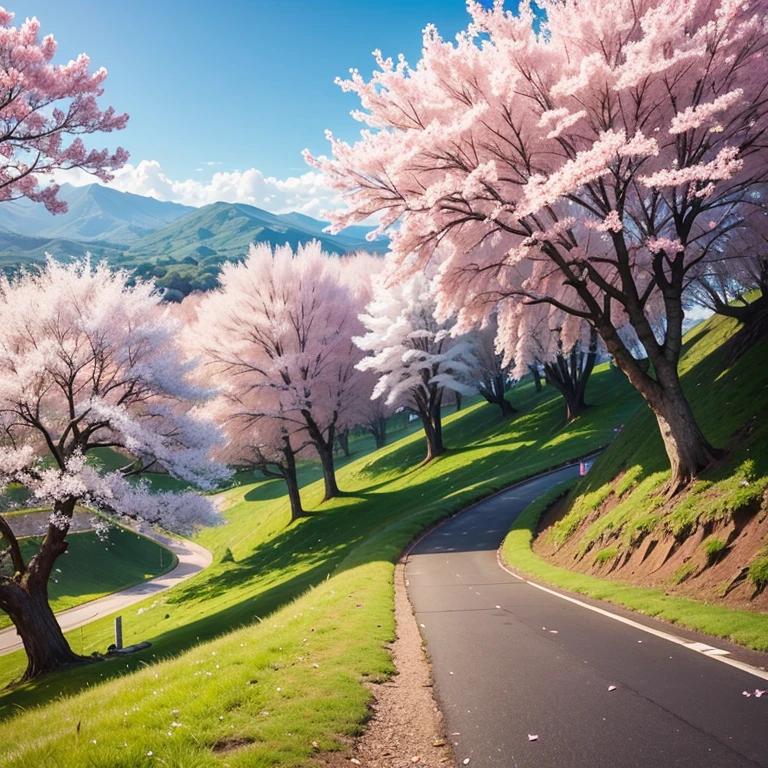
(512, 661)
(192, 559)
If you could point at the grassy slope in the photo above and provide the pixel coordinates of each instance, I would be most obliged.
(276, 685)
(632, 472)
(724, 401)
(93, 568)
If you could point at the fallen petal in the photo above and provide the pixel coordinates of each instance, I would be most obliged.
(533, 737)
(611, 687)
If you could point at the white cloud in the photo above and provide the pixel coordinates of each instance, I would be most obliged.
(305, 194)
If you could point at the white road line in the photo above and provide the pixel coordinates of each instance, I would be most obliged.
(706, 650)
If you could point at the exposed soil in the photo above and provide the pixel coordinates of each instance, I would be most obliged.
(660, 560)
(406, 728)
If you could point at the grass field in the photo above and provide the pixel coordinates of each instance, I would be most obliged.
(93, 568)
(731, 404)
(254, 660)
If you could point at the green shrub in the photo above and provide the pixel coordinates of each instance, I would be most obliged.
(227, 557)
(758, 572)
(683, 572)
(606, 554)
(713, 549)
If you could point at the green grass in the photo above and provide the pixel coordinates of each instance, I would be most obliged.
(235, 648)
(606, 555)
(714, 549)
(744, 627)
(758, 572)
(731, 405)
(93, 568)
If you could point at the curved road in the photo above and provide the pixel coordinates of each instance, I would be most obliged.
(192, 559)
(512, 660)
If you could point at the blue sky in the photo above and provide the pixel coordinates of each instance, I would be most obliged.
(244, 84)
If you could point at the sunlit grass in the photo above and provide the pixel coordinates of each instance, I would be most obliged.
(731, 404)
(93, 568)
(318, 591)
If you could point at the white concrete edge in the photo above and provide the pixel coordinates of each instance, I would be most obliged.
(709, 651)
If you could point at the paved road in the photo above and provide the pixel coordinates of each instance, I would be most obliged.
(501, 673)
(192, 559)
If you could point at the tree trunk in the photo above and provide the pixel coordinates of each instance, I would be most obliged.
(433, 428)
(689, 452)
(329, 471)
(536, 376)
(378, 428)
(570, 373)
(44, 643)
(457, 395)
(24, 597)
(494, 394)
(292, 483)
(343, 440)
(324, 447)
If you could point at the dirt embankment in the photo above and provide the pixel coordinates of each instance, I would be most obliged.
(709, 562)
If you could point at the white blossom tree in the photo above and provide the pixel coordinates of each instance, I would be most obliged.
(88, 361)
(414, 355)
(493, 368)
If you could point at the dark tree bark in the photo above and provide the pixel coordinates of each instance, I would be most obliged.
(569, 374)
(284, 469)
(493, 391)
(457, 395)
(342, 438)
(378, 428)
(429, 413)
(323, 443)
(292, 484)
(534, 369)
(24, 597)
(687, 448)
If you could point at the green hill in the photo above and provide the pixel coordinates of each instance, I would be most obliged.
(710, 542)
(263, 656)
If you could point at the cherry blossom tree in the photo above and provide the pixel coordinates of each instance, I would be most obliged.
(564, 346)
(414, 355)
(493, 368)
(589, 160)
(282, 323)
(369, 413)
(260, 434)
(723, 286)
(44, 110)
(88, 362)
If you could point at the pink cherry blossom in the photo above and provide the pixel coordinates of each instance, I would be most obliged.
(574, 161)
(41, 104)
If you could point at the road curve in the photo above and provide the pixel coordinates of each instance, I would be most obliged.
(512, 661)
(192, 559)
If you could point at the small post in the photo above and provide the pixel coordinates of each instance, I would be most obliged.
(118, 632)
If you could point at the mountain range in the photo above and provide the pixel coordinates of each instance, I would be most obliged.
(180, 246)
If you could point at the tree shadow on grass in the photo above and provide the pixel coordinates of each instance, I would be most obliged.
(343, 534)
